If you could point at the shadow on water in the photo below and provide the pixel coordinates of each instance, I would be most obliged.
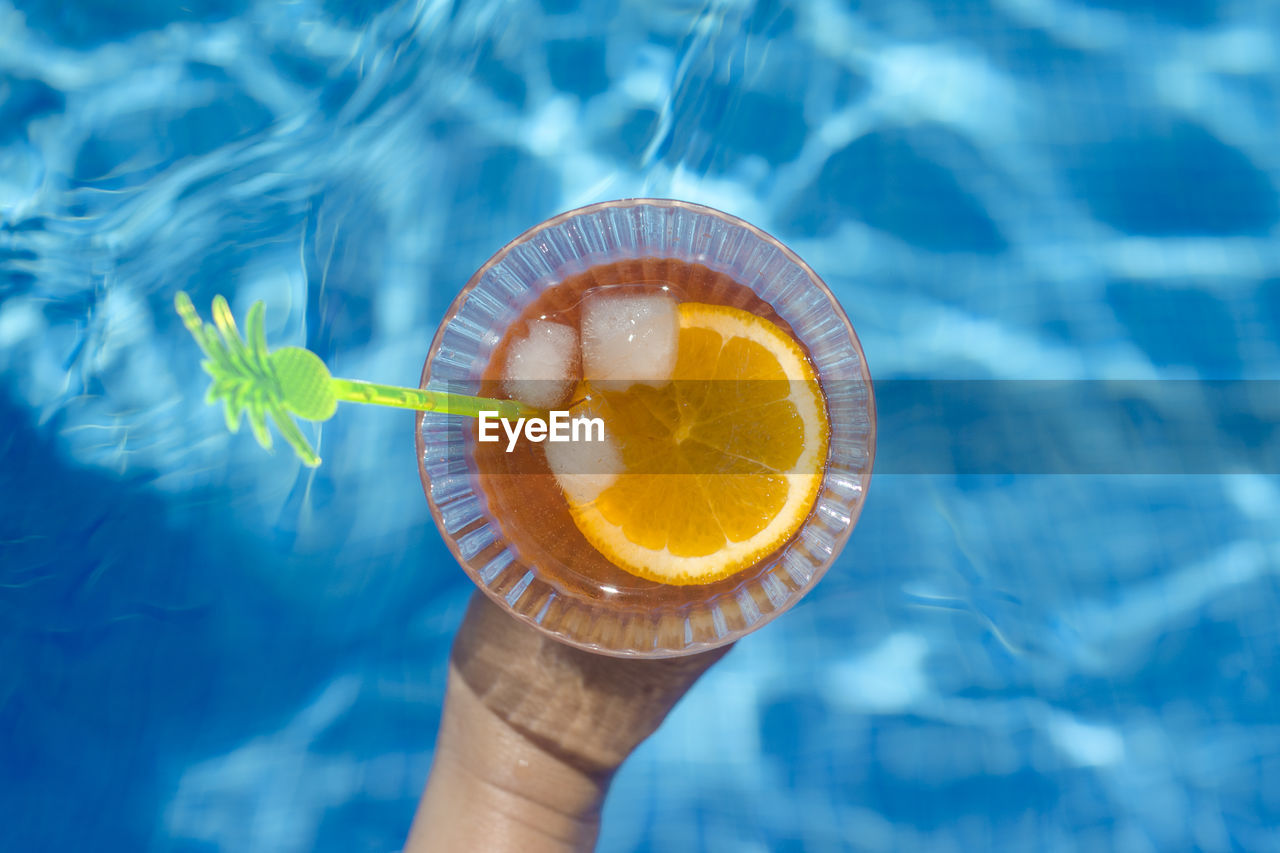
(139, 637)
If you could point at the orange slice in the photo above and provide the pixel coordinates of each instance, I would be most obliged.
(719, 467)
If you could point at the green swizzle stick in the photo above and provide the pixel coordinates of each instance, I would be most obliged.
(294, 381)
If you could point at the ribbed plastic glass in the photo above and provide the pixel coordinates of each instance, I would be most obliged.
(496, 296)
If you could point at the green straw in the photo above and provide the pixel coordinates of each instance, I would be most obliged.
(293, 381)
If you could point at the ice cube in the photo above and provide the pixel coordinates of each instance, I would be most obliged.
(542, 367)
(584, 468)
(628, 339)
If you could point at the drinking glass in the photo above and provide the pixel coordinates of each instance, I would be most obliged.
(540, 582)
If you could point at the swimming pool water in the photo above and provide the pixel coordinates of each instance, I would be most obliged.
(206, 647)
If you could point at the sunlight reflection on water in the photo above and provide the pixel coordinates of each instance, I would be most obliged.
(239, 652)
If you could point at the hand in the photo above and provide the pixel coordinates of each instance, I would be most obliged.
(532, 733)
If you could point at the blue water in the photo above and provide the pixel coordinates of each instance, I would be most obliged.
(208, 648)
